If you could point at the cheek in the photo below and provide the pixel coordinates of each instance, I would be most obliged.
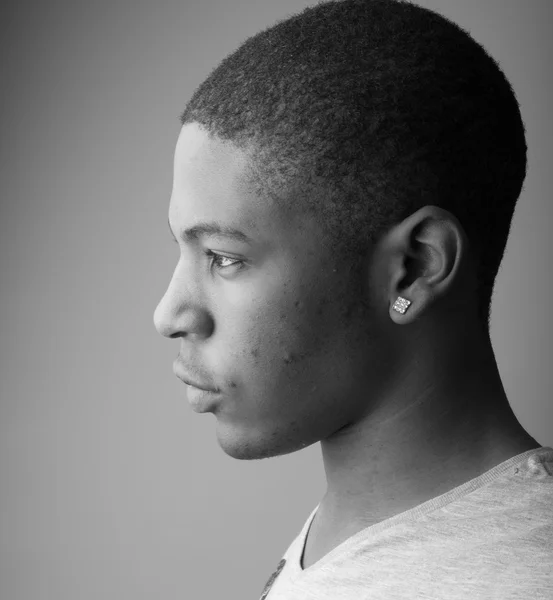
(286, 343)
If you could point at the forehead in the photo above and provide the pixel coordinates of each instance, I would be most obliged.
(197, 150)
(211, 183)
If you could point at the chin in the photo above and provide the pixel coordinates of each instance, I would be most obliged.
(248, 444)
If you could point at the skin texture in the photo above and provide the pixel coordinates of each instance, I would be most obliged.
(305, 347)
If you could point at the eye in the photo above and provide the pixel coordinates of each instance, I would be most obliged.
(223, 262)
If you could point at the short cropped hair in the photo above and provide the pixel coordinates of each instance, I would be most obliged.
(363, 111)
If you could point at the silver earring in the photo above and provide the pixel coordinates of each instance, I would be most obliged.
(401, 305)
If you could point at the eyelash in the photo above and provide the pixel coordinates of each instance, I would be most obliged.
(214, 257)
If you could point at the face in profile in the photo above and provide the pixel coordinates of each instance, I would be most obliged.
(271, 317)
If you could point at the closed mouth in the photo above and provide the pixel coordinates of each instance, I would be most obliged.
(197, 385)
(178, 369)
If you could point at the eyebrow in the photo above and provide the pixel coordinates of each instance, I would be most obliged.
(211, 228)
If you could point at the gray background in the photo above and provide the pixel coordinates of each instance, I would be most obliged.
(111, 486)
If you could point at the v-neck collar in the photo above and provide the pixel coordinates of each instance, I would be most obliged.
(412, 514)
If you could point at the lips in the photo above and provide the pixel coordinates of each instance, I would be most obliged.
(185, 378)
(197, 385)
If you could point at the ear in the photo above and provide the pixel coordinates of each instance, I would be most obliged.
(429, 248)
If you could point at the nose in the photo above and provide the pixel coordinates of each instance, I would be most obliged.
(180, 312)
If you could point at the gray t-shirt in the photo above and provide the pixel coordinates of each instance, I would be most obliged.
(490, 538)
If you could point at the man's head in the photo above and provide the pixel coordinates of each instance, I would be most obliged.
(365, 147)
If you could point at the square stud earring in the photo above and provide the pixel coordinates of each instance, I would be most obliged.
(401, 305)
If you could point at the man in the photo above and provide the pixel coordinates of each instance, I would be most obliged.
(344, 184)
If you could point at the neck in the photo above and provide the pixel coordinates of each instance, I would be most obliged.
(441, 426)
